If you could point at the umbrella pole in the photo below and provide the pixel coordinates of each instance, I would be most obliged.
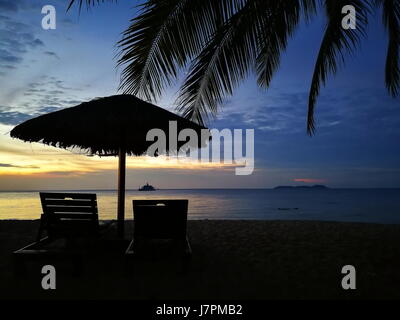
(121, 191)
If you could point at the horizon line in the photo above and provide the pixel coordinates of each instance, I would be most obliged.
(166, 189)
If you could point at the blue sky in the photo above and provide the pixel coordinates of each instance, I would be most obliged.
(356, 144)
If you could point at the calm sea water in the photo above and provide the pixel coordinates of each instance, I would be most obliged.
(359, 205)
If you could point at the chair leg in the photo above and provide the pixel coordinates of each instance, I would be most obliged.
(129, 259)
(188, 248)
(130, 250)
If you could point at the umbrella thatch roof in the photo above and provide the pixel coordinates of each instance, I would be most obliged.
(102, 126)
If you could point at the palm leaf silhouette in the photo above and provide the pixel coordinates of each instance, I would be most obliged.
(391, 20)
(222, 41)
(336, 40)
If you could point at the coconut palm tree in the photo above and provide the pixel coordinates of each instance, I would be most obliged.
(222, 41)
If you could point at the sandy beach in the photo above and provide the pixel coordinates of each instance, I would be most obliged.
(231, 260)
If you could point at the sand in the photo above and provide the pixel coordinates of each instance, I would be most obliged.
(231, 260)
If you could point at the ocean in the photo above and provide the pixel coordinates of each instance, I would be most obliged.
(355, 205)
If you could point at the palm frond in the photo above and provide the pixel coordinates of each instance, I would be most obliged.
(225, 60)
(89, 3)
(282, 19)
(336, 41)
(165, 35)
(391, 20)
(309, 8)
(223, 39)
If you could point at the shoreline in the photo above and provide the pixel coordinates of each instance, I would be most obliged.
(129, 220)
(232, 259)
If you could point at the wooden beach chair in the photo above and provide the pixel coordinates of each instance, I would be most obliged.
(160, 219)
(68, 217)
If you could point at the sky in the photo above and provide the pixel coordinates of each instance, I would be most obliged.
(358, 124)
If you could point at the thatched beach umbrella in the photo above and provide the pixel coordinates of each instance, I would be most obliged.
(109, 126)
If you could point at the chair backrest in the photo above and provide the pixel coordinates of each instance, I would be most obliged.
(160, 219)
(69, 213)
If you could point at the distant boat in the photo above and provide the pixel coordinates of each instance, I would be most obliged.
(147, 187)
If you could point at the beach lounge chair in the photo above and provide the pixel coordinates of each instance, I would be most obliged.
(160, 219)
(66, 218)
(68, 215)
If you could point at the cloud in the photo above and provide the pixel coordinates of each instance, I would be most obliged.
(36, 43)
(52, 54)
(14, 6)
(9, 117)
(44, 95)
(47, 110)
(8, 6)
(7, 165)
(281, 112)
(13, 118)
(8, 67)
(68, 21)
(54, 174)
(4, 18)
(16, 40)
(8, 57)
